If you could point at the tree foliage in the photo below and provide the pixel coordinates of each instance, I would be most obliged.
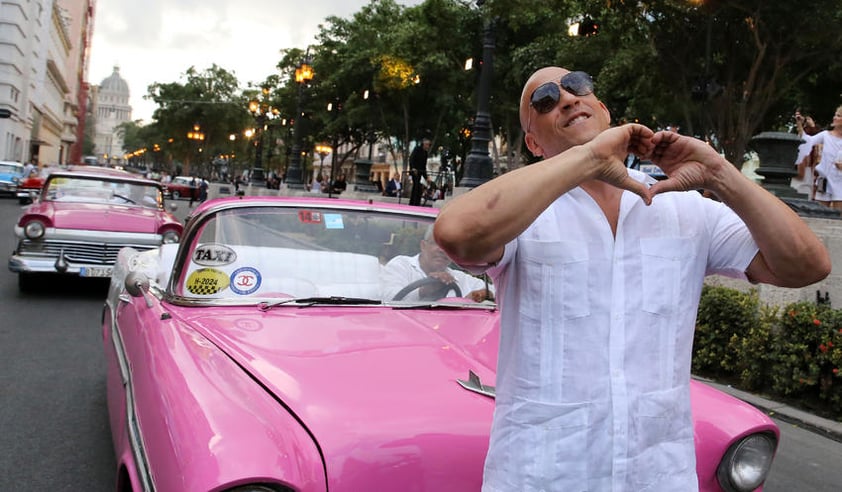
(210, 99)
(723, 70)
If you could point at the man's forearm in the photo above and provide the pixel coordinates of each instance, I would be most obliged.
(792, 254)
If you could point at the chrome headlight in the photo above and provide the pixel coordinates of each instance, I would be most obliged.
(747, 463)
(170, 237)
(33, 230)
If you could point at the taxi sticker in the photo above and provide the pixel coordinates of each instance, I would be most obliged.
(207, 281)
(213, 254)
(245, 281)
(334, 221)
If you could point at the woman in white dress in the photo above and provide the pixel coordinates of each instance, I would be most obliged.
(829, 170)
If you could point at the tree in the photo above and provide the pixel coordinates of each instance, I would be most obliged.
(130, 133)
(211, 99)
(722, 70)
(726, 70)
(411, 71)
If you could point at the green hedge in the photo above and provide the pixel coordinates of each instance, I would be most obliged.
(793, 352)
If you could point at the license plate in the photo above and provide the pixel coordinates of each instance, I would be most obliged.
(95, 271)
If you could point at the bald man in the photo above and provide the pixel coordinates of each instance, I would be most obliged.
(599, 271)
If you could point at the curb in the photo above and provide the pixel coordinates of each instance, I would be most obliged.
(826, 427)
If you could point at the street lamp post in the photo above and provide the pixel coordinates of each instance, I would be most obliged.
(249, 133)
(197, 136)
(232, 156)
(478, 164)
(303, 75)
(262, 113)
(362, 167)
(323, 150)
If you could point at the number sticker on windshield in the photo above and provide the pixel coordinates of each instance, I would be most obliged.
(207, 281)
(309, 217)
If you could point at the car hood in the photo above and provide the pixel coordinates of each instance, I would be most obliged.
(100, 217)
(376, 387)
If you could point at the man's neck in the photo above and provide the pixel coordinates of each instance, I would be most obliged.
(608, 199)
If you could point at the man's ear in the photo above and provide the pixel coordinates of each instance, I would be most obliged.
(532, 145)
(607, 113)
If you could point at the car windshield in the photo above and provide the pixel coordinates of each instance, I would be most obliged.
(105, 191)
(281, 253)
(11, 169)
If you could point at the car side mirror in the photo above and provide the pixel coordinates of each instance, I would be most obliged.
(137, 285)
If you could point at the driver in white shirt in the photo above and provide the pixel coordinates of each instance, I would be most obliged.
(431, 262)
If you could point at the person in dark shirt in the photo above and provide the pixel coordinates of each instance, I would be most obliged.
(393, 187)
(418, 170)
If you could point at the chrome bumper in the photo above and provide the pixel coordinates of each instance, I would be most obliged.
(24, 264)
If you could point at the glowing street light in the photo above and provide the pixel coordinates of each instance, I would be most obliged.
(303, 75)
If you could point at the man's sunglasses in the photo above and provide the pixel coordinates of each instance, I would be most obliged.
(546, 96)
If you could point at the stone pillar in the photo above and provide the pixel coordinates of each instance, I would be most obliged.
(777, 152)
(362, 173)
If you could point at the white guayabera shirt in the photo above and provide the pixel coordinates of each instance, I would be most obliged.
(596, 338)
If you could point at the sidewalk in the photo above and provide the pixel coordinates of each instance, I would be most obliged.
(829, 428)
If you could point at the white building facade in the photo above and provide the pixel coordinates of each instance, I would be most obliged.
(42, 60)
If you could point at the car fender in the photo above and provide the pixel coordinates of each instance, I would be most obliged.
(187, 395)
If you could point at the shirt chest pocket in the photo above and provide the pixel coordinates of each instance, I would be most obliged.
(554, 279)
(666, 266)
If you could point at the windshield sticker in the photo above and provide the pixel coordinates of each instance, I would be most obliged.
(207, 281)
(334, 221)
(245, 281)
(213, 254)
(309, 217)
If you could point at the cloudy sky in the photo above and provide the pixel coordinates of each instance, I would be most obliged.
(158, 40)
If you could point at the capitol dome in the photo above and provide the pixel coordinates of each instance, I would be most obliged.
(115, 83)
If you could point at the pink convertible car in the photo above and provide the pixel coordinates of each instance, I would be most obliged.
(82, 219)
(273, 349)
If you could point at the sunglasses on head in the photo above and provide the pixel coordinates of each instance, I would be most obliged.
(546, 96)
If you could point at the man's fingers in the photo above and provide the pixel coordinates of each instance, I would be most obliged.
(665, 186)
(639, 189)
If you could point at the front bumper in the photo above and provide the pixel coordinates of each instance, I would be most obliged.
(21, 264)
(26, 192)
(9, 189)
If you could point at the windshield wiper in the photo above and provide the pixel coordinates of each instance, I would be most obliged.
(311, 301)
(486, 306)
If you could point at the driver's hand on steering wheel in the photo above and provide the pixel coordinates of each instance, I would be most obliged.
(480, 295)
(443, 277)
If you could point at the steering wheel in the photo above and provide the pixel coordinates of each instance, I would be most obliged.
(444, 289)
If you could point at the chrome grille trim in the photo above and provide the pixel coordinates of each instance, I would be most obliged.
(77, 251)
